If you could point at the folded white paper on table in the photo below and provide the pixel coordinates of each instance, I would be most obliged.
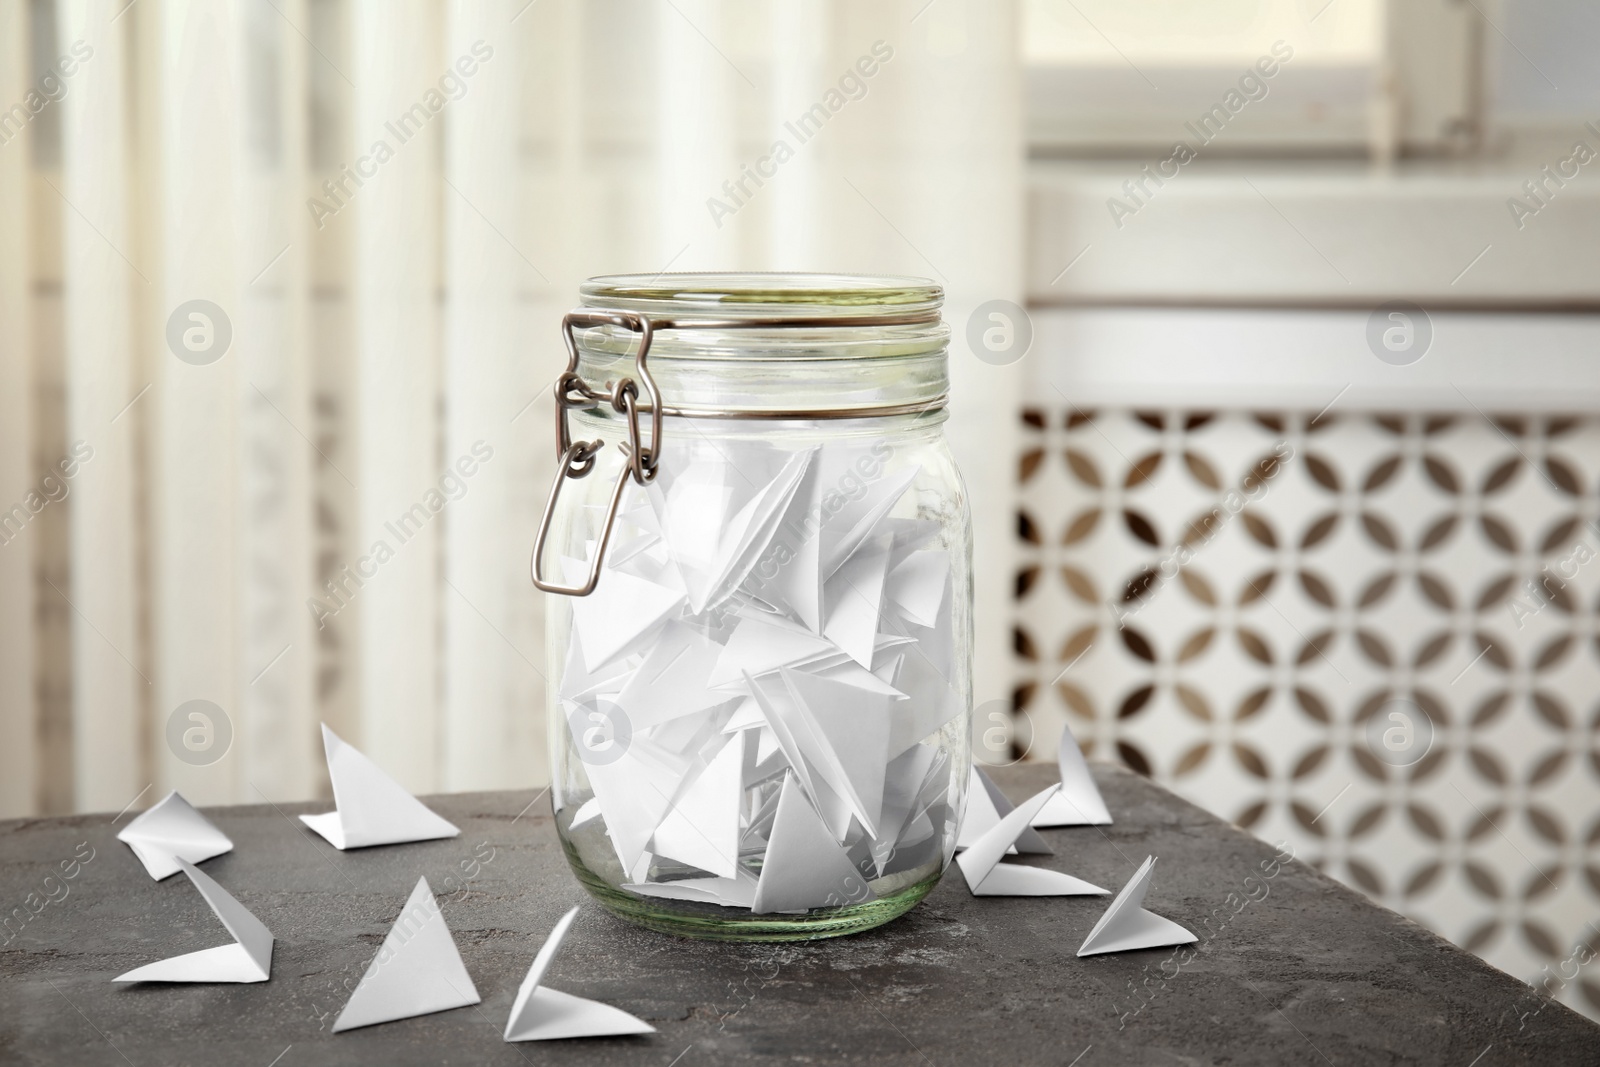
(248, 959)
(1126, 925)
(172, 831)
(775, 640)
(988, 877)
(1079, 802)
(370, 807)
(986, 806)
(417, 971)
(543, 1014)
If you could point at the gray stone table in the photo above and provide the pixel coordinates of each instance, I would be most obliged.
(1292, 968)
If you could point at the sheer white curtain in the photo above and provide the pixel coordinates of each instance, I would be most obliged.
(384, 207)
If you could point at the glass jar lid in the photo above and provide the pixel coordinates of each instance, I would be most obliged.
(774, 345)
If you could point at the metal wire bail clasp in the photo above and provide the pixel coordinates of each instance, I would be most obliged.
(576, 459)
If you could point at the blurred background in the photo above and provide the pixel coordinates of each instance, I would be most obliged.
(1299, 386)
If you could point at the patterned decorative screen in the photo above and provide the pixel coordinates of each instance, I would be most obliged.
(1372, 635)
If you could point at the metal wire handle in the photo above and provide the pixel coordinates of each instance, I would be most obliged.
(576, 458)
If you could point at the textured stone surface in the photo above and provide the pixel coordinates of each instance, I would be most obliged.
(1311, 974)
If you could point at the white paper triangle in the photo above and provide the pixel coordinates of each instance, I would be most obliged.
(417, 971)
(765, 514)
(852, 673)
(673, 680)
(987, 877)
(623, 550)
(770, 757)
(1079, 802)
(635, 792)
(549, 1014)
(762, 643)
(248, 959)
(637, 513)
(702, 829)
(587, 811)
(638, 509)
(578, 683)
(853, 598)
(622, 609)
(838, 813)
(920, 841)
(980, 815)
(804, 867)
(652, 563)
(777, 706)
(713, 545)
(696, 509)
(789, 576)
(540, 1014)
(370, 807)
(171, 831)
(746, 716)
(917, 585)
(693, 736)
(857, 520)
(932, 700)
(902, 784)
(845, 737)
(1126, 925)
(986, 806)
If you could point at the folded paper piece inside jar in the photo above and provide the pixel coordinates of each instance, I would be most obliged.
(248, 959)
(754, 681)
(738, 892)
(417, 970)
(1126, 925)
(986, 806)
(370, 807)
(805, 867)
(988, 877)
(543, 1014)
(1079, 802)
(171, 832)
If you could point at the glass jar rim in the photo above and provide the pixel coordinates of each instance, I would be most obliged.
(761, 294)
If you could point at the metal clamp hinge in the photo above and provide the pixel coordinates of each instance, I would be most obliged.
(575, 459)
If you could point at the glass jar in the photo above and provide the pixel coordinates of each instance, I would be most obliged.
(761, 646)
